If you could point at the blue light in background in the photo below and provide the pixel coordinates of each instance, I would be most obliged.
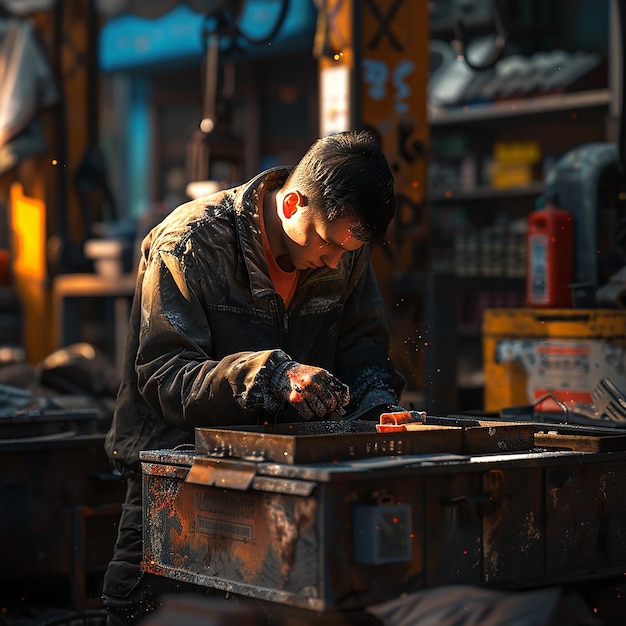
(130, 41)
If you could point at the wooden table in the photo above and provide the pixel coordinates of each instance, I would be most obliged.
(67, 289)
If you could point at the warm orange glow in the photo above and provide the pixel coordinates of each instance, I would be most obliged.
(28, 221)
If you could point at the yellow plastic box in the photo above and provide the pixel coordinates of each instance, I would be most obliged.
(528, 353)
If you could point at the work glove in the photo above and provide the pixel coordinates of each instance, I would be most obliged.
(311, 390)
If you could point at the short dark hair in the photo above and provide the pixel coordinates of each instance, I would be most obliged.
(346, 175)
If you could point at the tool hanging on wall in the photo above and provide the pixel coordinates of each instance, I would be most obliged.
(215, 153)
(460, 41)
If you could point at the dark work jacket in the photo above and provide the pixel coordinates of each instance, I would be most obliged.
(207, 327)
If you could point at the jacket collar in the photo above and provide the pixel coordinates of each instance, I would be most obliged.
(247, 205)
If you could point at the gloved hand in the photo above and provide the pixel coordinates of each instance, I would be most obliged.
(311, 390)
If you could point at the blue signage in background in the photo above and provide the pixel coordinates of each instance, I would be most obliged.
(130, 41)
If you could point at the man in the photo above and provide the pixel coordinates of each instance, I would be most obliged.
(256, 303)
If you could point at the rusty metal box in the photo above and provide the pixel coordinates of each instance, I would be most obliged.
(287, 533)
(319, 442)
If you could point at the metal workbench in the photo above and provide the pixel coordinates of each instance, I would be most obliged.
(507, 506)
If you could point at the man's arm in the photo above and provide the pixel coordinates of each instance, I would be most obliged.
(363, 361)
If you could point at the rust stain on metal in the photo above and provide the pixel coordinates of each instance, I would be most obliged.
(250, 551)
(532, 532)
(286, 524)
(490, 544)
(164, 522)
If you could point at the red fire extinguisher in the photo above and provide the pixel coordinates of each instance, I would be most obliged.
(550, 257)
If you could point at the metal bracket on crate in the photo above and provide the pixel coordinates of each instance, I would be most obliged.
(221, 473)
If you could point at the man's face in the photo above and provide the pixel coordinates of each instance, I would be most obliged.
(313, 242)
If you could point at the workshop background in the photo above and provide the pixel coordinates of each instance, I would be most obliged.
(504, 270)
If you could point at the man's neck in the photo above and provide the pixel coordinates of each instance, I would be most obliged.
(274, 231)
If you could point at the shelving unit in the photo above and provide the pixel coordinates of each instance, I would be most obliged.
(485, 192)
(517, 108)
(466, 207)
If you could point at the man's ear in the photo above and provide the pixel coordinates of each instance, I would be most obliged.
(292, 201)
